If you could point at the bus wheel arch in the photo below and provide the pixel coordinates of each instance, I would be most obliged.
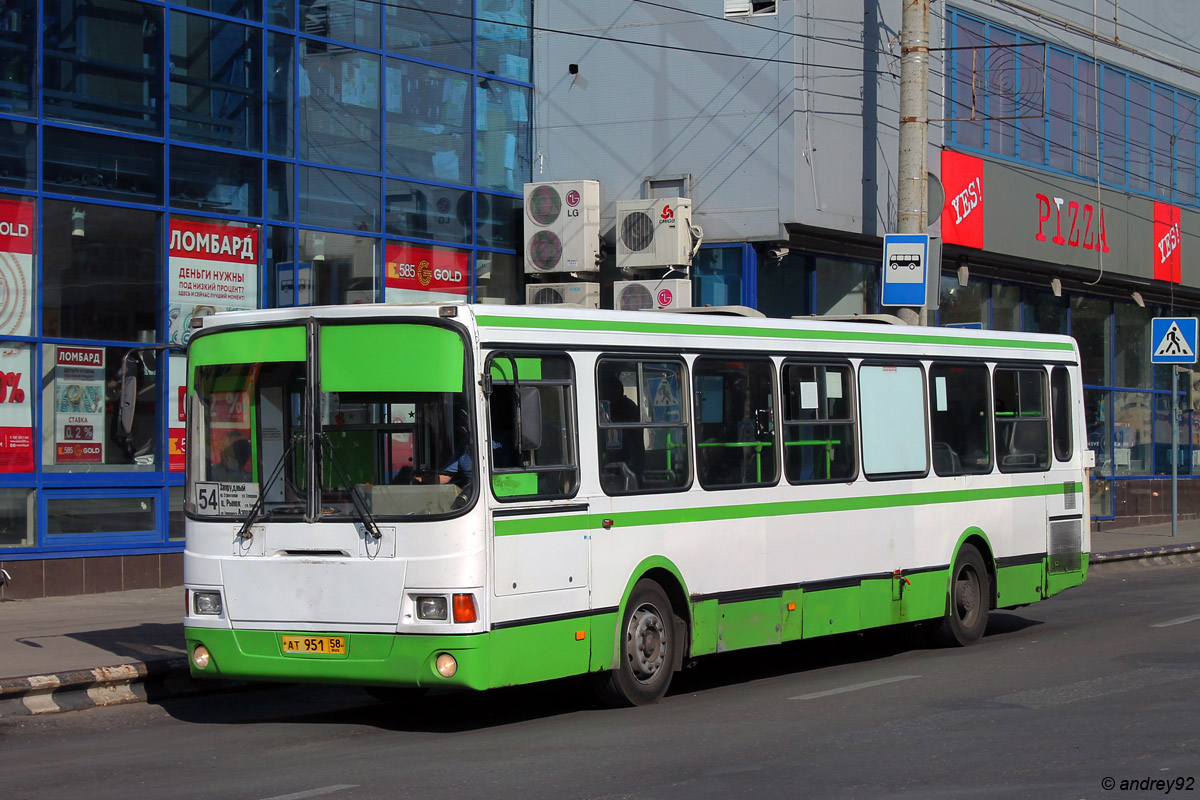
(970, 595)
(652, 638)
(978, 539)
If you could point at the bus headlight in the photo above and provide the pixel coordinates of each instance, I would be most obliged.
(431, 607)
(207, 603)
(446, 665)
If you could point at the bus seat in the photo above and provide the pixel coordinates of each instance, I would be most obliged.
(618, 477)
(945, 460)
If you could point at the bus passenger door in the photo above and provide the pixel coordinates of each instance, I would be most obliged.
(540, 546)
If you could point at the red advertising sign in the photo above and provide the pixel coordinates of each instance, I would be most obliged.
(213, 267)
(16, 266)
(962, 216)
(414, 272)
(1167, 256)
(79, 405)
(16, 415)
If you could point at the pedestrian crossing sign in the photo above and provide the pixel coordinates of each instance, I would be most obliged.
(1173, 340)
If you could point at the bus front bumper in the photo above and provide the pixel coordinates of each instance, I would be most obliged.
(370, 659)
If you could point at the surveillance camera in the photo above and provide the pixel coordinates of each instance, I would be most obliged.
(777, 253)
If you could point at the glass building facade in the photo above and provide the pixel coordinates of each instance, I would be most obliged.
(161, 161)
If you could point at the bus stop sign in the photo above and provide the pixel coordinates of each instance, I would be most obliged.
(1173, 340)
(905, 264)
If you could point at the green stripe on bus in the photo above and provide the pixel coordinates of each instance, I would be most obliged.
(551, 524)
(655, 326)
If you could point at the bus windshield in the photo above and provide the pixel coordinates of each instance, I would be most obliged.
(390, 430)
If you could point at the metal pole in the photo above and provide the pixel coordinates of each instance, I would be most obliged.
(912, 189)
(1174, 449)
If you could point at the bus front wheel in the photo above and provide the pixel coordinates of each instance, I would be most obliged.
(969, 600)
(647, 657)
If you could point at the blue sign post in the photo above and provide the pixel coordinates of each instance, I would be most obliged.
(905, 266)
(1173, 341)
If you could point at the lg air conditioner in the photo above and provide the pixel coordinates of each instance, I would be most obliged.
(584, 295)
(659, 295)
(656, 233)
(562, 227)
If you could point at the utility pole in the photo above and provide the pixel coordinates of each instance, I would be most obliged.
(912, 196)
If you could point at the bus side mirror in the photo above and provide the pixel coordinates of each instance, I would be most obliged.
(529, 417)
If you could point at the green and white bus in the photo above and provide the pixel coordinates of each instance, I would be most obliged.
(479, 496)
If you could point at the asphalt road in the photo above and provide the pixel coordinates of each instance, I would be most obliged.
(1097, 683)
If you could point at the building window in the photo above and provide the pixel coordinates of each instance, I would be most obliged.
(749, 8)
(717, 277)
(18, 517)
(18, 49)
(505, 44)
(339, 106)
(102, 64)
(334, 199)
(431, 30)
(101, 272)
(80, 398)
(334, 268)
(502, 126)
(735, 423)
(216, 82)
(429, 122)
(428, 212)
(104, 167)
(223, 183)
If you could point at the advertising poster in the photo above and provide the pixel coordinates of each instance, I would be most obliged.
(213, 268)
(177, 414)
(16, 267)
(1167, 256)
(16, 410)
(79, 405)
(417, 274)
(962, 216)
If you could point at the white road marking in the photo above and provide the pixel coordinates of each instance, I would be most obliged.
(1179, 621)
(314, 792)
(854, 687)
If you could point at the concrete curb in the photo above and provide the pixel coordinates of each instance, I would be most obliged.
(75, 690)
(1188, 551)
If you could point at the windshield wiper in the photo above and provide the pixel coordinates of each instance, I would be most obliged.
(356, 498)
(257, 509)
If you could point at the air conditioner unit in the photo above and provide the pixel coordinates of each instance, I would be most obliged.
(655, 233)
(659, 295)
(584, 295)
(562, 227)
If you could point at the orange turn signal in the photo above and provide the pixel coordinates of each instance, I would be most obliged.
(464, 608)
(580, 635)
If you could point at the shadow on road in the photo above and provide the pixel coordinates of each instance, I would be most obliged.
(439, 712)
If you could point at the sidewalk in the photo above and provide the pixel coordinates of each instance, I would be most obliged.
(65, 653)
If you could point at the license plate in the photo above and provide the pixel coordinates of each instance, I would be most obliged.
(315, 645)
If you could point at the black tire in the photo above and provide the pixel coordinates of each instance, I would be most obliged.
(648, 650)
(968, 601)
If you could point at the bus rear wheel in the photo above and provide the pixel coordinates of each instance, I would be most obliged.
(647, 657)
(968, 603)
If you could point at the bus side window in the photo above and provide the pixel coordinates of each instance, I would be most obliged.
(642, 430)
(1022, 424)
(892, 402)
(958, 409)
(735, 425)
(1060, 406)
(818, 424)
(551, 468)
